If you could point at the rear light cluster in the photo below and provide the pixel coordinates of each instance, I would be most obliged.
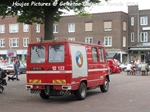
(37, 68)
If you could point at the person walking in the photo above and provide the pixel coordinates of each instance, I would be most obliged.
(16, 70)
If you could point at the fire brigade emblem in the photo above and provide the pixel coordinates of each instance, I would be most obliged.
(79, 59)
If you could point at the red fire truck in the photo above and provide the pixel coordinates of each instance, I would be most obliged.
(66, 67)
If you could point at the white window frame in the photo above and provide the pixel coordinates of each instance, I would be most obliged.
(2, 28)
(132, 36)
(13, 42)
(2, 42)
(144, 20)
(124, 41)
(89, 40)
(145, 36)
(38, 28)
(13, 28)
(25, 27)
(25, 42)
(55, 28)
(109, 39)
(71, 27)
(71, 39)
(132, 21)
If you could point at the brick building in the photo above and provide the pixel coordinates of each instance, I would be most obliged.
(110, 28)
(14, 37)
(119, 32)
(139, 31)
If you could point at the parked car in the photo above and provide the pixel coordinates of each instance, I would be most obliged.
(3, 65)
(10, 69)
(114, 66)
(123, 67)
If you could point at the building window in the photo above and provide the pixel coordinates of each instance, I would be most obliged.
(25, 42)
(94, 55)
(2, 28)
(2, 42)
(72, 39)
(13, 28)
(55, 28)
(88, 40)
(37, 28)
(124, 26)
(124, 41)
(71, 27)
(143, 20)
(88, 26)
(38, 39)
(143, 36)
(107, 25)
(132, 36)
(132, 21)
(108, 41)
(25, 27)
(13, 42)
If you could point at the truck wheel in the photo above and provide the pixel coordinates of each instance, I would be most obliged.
(105, 86)
(43, 95)
(81, 92)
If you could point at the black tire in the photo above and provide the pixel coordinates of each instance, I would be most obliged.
(43, 95)
(105, 86)
(81, 92)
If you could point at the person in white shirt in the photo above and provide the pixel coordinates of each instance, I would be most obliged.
(129, 65)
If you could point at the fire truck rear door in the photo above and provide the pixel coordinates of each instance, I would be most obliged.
(79, 61)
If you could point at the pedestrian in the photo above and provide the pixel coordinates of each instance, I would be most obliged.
(16, 70)
(133, 68)
(129, 65)
(18, 66)
(137, 65)
(147, 68)
(143, 68)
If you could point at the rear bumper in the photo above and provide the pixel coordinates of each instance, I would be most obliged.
(42, 87)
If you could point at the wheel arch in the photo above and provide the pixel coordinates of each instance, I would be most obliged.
(83, 80)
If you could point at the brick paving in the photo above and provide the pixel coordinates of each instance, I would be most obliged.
(126, 94)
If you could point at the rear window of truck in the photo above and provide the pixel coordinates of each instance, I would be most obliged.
(56, 53)
(37, 54)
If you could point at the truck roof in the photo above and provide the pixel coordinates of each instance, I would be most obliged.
(62, 41)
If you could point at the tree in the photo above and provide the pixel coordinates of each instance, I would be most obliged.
(42, 11)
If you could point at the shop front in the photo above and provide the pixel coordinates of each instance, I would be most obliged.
(139, 52)
(12, 53)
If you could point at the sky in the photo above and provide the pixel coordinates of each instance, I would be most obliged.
(120, 5)
(117, 5)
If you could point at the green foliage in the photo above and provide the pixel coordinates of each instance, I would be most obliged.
(42, 11)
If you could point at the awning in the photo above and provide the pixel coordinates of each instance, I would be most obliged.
(4, 52)
(141, 49)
